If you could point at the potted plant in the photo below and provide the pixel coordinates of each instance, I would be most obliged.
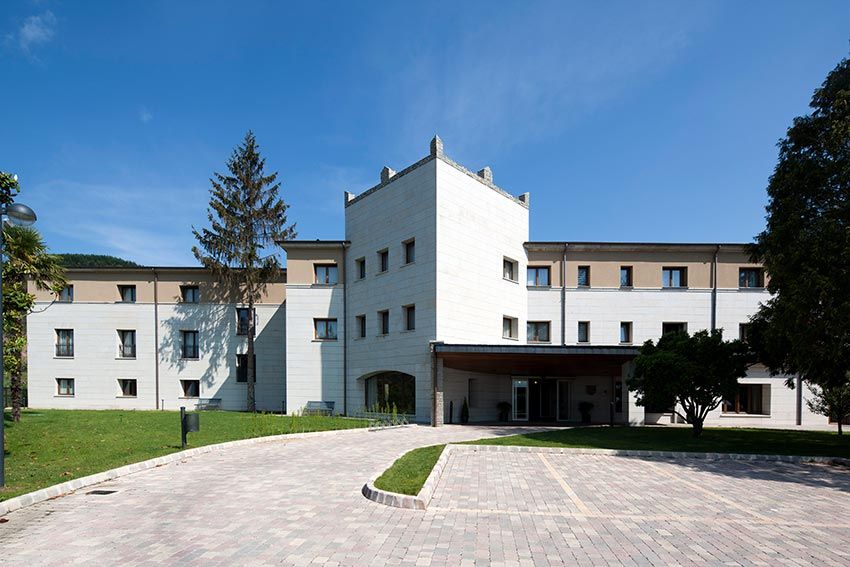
(504, 410)
(584, 408)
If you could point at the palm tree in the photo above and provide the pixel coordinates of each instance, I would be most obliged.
(27, 261)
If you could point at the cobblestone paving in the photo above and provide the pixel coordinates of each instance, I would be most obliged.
(299, 503)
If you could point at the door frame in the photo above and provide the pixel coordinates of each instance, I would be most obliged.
(515, 383)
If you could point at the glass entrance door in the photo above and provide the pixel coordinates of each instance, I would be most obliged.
(563, 400)
(520, 399)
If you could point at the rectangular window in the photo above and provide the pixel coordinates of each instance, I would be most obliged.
(744, 331)
(242, 322)
(537, 276)
(626, 332)
(509, 328)
(126, 344)
(361, 268)
(189, 344)
(64, 342)
(584, 331)
(751, 278)
(190, 293)
(584, 276)
(65, 386)
(384, 260)
(384, 322)
(127, 387)
(325, 329)
(538, 331)
(409, 317)
(326, 274)
(361, 326)
(674, 328)
(751, 399)
(410, 251)
(66, 295)
(625, 276)
(191, 388)
(242, 368)
(127, 293)
(674, 277)
(509, 269)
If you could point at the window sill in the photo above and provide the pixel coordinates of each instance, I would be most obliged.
(382, 336)
(408, 331)
(733, 414)
(532, 286)
(131, 397)
(510, 338)
(317, 284)
(539, 342)
(755, 289)
(626, 287)
(582, 287)
(324, 340)
(510, 280)
(188, 397)
(63, 395)
(408, 264)
(63, 357)
(190, 358)
(670, 288)
(626, 343)
(125, 358)
(580, 343)
(382, 273)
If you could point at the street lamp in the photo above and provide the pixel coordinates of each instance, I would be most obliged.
(15, 214)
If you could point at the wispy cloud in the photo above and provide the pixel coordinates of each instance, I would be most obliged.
(145, 115)
(36, 30)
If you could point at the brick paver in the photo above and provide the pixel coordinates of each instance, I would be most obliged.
(299, 503)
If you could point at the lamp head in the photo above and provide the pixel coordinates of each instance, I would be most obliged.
(20, 214)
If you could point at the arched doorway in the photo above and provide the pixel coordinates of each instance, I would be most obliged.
(387, 389)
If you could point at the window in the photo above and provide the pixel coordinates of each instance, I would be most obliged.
(751, 398)
(384, 322)
(189, 343)
(410, 251)
(509, 269)
(191, 388)
(626, 332)
(127, 387)
(584, 331)
(744, 331)
(618, 397)
(325, 329)
(625, 276)
(750, 278)
(127, 344)
(242, 322)
(409, 317)
(674, 328)
(361, 268)
(242, 368)
(361, 326)
(65, 386)
(384, 260)
(190, 293)
(127, 293)
(64, 342)
(538, 331)
(509, 328)
(326, 274)
(584, 276)
(66, 295)
(538, 276)
(391, 389)
(674, 277)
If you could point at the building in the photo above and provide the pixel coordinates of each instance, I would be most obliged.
(436, 295)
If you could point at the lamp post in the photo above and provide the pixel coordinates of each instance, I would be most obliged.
(16, 214)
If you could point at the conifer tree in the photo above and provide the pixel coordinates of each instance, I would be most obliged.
(246, 218)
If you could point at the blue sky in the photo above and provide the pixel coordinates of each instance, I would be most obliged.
(626, 121)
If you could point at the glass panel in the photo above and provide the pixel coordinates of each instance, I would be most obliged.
(520, 399)
(625, 277)
(563, 400)
(391, 389)
(583, 276)
(583, 331)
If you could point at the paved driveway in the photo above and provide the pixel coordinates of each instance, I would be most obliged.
(299, 503)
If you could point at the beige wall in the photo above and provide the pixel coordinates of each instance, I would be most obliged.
(551, 259)
(300, 263)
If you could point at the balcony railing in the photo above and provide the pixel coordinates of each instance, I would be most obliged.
(64, 350)
(127, 351)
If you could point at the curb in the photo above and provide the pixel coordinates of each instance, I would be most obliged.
(64, 488)
(423, 498)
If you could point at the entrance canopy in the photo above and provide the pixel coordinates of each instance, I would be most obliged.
(536, 360)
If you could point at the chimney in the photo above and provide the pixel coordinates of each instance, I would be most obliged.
(437, 147)
(486, 174)
(349, 196)
(386, 174)
(525, 198)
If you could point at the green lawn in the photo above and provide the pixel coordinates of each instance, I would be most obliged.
(408, 474)
(51, 446)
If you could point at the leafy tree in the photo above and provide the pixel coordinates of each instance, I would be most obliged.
(8, 187)
(804, 329)
(247, 217)
(832, 402)
(94, 261)
(692, 372)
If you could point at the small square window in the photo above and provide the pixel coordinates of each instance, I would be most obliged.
(326, 274)
(674, 277)
(538, 331)
(584, 276)
(127, 344)
(242, 368)
(127, 387)
(242, 322)
(189, 344)
(625, 276)
(509, 269)
(538, 276)
(584, 331)
(509, 328)
(384, 260)
(409, 317)
(674, 328)
(66, 294)
(410, 251)
(361, 268)
(127, 293)
(65, 386)
(190, 293)
(751, 278)
(65, 342)
(191, 388)
(361, 326)
(325, 329)
(384, 320)
(626, 332)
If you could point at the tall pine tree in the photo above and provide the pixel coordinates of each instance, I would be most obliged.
(247, 217)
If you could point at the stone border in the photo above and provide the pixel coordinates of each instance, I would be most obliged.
(70, 486)
(423, 498)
